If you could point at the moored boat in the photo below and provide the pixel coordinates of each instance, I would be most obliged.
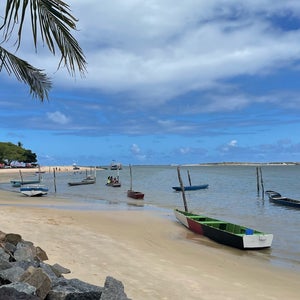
(223, 232)
(190, 187)
(276, 198)
(131, 193)
(87, 180)
(18, 183)
(114, 184)
(135, 194)
(34, 190)
(115, 165)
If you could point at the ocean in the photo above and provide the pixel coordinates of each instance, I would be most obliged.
(231, 196)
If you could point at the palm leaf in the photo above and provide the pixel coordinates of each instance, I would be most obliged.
(38, 81)
(54, 21)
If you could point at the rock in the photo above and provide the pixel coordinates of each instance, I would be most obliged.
(39, 279)
(74, 289)
(59, 270)
(11, 275)
(22, 287)
(25, 264)
(12, 294)
(113, 290)
(23, 253)
(41, 254)
(9, 247)
(24, 275)
(4, 255)
(2, 236)
(49, 271)
(4, 264)
(13, 238)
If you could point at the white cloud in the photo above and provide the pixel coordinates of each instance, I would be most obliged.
(184, 150)
(58, 117)
(232, 143)
(156, 50)
(135, 149)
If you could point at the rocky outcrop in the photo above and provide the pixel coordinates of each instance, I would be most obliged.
(24, 275)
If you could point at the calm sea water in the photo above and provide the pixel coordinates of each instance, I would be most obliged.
(232, 196)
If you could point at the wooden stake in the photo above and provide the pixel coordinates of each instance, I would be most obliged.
(54, 179)
(262, 183)
(130, 177)
(182, 189)
(257, 180)
(189, 177)
(21, 176)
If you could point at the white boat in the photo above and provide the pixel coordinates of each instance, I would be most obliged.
(115, 165)
(34, 190)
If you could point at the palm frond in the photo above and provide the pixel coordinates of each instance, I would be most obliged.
(54, 21)
(38, 81)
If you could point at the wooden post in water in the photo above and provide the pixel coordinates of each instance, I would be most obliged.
(21, 176)
(189, 177)
(54, 179)
(262, 183)
(257, 180)
(182, 189)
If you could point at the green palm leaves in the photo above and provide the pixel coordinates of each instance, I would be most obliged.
(51, 21)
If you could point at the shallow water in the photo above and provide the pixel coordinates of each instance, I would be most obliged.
(232, 196)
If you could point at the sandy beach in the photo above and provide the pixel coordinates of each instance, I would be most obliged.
(154, 256)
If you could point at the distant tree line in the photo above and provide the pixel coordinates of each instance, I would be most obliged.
(10, 153)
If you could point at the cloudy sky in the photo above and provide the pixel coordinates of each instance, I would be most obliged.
(167, 82)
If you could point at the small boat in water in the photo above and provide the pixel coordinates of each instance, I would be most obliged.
(18, 183)
(135, 194)
(223, 232)
(22, 181)
(115, 165)
(190, 187)
(114, 184)
(114, 181)
(276, 198)
(34, 190)
(131, 193)
(226, 233)
(87, 180)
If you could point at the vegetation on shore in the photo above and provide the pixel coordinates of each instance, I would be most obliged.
(10, 152)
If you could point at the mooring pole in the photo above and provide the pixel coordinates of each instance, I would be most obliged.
(21, 176)
(257, 180)
(189, 177)
(54, 179)
(262, 183)
(182, 189)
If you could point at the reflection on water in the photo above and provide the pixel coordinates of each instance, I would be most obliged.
(231, 196)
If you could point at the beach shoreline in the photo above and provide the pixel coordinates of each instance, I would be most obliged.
(153, 255)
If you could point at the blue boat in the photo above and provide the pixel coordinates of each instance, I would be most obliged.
(191, 187)
(34, 190)
(18, 183)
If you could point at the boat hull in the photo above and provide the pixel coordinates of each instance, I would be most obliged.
(277, 199)
(34, 191)
(135, 194)
(116, 184)
(81, 182)
(223, 232)
(18, 183)
(190, 188)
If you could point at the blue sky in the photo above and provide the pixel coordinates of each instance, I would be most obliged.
(168, 82)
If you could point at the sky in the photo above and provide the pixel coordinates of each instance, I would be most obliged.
(167, 82)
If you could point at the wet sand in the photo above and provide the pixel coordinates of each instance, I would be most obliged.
(154, 256)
